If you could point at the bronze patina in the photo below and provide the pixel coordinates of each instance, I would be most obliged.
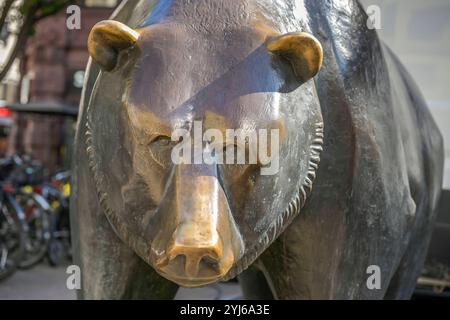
(339, 97)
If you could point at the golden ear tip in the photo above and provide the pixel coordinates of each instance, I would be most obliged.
(302, 49)
(106, 39)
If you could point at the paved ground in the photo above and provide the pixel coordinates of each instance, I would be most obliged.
(46, 283)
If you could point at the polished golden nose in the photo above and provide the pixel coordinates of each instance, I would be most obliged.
(197, 256)
(199, 243)
(205, 242)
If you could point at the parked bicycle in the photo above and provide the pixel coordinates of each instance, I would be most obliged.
(12, 226)
(57, 193)
(36, 211)
(25, 220)
(11, 238)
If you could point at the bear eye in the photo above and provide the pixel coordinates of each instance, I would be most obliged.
(163, 141)
(161, 150)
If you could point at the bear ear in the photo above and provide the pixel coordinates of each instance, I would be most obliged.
(107, 39)
(302, 50)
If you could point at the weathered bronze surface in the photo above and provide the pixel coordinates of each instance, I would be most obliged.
(144, 225)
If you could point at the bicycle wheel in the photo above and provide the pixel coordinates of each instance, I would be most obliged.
(38, 231)
(12, 240)
(56, 252)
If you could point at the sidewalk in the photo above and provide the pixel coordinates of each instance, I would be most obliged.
(46, 283)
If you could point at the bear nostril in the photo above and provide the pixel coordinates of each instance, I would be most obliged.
(195, 259)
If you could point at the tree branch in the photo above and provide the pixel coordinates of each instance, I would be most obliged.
(31, 11)
(5, 9)
(18, 46)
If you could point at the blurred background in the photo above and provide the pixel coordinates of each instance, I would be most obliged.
(42, 64)
(419, 33)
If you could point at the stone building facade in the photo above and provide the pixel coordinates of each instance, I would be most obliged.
(52, 71)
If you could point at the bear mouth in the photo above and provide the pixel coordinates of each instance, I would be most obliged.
(191, 282)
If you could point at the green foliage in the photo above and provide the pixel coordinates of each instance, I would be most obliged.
(44, 8)
(49, 7)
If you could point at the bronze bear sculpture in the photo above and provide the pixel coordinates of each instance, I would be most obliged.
(310, 69)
